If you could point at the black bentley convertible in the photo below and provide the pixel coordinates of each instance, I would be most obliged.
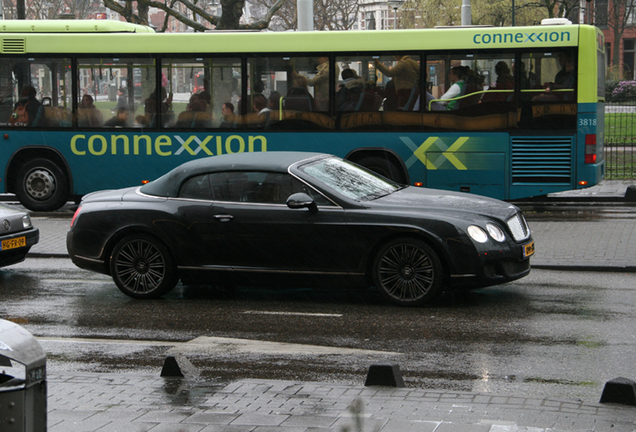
(279, 218)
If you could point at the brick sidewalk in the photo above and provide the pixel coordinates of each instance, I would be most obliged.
(112, 402)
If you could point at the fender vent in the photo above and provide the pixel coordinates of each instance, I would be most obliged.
(13, 46)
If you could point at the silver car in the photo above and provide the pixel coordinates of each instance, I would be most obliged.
(17, 235)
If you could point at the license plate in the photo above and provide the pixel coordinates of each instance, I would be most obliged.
(528, 250)
(13, 243)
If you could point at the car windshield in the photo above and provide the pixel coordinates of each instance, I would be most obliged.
(350, 180)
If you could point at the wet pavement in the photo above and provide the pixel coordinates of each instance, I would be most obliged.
(128, 402)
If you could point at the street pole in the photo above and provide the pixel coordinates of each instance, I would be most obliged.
(305, 15)
(467, 18)
(395, 4)
(513, 13)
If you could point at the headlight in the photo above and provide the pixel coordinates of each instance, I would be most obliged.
(495, 232)
(26, 222)
(477, 234)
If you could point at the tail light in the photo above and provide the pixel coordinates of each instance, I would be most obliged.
(77, 212)
(590, 149)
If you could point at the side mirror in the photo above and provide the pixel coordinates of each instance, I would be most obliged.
(302, 200)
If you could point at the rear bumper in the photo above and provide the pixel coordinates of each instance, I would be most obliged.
(14, 256)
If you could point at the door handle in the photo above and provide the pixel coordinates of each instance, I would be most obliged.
(223, 217)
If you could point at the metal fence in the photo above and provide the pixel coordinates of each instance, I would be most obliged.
(620, 140)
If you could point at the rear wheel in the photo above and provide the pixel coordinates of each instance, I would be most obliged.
(41, 185)
(142, 267)
(407, 272)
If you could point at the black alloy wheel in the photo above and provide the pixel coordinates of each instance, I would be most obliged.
(408, 272)
(142, 267)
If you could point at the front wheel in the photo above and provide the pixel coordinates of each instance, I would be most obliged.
(407, 272)
(41, 185)
(142, 267)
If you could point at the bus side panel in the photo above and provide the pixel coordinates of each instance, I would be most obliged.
(475, 163)
(591, 139)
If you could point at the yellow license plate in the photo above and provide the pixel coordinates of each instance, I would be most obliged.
(13, 243)
(528, 250)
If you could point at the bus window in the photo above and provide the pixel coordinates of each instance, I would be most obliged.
(205, 92)
(223, 78)
(188, 109)
(288, 93)
(357, 87)
(548, 90)
(463, 84)
(476, 92)
(378, 92)
(398, 76)
(111, 92)
(35, 92)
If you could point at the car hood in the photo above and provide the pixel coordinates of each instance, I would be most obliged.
(434, 200)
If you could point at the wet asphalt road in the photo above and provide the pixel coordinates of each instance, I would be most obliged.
(554, 333)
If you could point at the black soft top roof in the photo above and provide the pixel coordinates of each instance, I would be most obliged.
(168, 184)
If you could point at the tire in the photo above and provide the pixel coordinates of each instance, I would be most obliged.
(142, 267)
(41, 185)
(384, 167)
(407, 272)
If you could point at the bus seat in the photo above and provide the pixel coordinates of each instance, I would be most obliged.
(185, 119)
(297, 103)
(56, 117)
(410, 103)
(201, 120)
(89, 117)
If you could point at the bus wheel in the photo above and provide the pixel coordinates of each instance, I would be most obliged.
(384, 167)
(407, 272)
(142, 267)
(41, 185)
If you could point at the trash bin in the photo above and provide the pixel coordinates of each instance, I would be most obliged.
(22, 380)
(112, 92)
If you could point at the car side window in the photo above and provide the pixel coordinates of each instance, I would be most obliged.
(257, 187)
(197, 187)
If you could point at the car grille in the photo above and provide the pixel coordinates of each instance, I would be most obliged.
(518, 227)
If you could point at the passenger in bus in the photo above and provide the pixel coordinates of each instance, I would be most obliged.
(457, 78)
(405, 74)
(26, 110)
(259, 103)
(194, 116)
(207, 99)
(528, 78)
(298, 97)
(150, 107)
(229, 118)
(122, 101)
(563, 80)
(120, 119)
(273, 102)
(320, 83)
(505, 81)
(431, 103)
(350, 91)
(88, 114)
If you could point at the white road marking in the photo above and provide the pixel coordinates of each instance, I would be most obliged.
(293, 314)
(209, 345)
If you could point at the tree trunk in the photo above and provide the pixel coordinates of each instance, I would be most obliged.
(232, 12)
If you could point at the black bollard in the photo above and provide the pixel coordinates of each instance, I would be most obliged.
(619, 390)
(387, 375)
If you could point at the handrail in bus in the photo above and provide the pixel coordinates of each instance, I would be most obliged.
(542, 90)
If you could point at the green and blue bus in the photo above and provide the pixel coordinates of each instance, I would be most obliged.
(90, 104)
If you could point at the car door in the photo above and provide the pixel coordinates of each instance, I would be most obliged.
(256, 231)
